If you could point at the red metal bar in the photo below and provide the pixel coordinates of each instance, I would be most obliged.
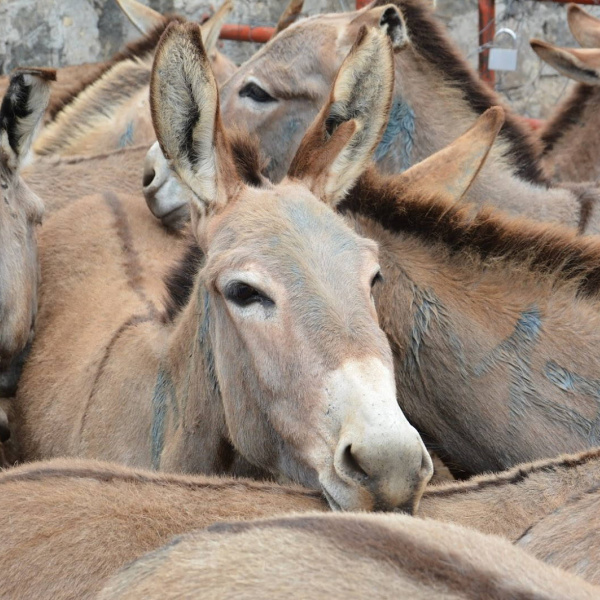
(487, 30)
(596, 2)
(247, 33)
(362, 3)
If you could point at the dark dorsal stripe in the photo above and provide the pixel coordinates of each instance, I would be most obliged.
(515, 475)
(137, 49)
(545, 249)
(567, 116)
(45, 472)
(431, 42)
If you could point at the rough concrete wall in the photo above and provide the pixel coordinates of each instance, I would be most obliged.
(64, 32)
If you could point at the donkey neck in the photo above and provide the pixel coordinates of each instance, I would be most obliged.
(510, 502)
(188, 431)
(571, 148)
(429, 112)
(465, 317)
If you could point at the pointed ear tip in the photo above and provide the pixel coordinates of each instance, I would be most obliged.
(43, 73)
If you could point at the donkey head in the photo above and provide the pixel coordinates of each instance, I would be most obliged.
(20, 209)
(305, 372)
(278, 92)
(280, 89)
(583, 65)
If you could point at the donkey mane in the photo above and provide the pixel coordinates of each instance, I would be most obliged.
(118, 473)
(431, 42)
(567, 115)
(514, 475)
(134, 50)
(550, 250)
(180, 280)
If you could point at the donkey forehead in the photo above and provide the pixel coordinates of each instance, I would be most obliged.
(291, 56)
(287, 225)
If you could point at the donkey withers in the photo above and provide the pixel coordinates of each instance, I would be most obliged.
(275, 364)
(339, 557)
(20, 212)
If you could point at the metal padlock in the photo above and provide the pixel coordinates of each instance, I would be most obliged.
(503, 59)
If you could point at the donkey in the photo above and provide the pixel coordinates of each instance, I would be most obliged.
(110, 109)
(437, 97)
(342, 556)
(20, 212)
(571, 143)
(126, 513)
(275, 364)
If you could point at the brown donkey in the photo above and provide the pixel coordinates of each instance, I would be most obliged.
(20, 212)
(93, 518)
(571, 137)
(437, 96)
(275, 364)
(110, 109)
(339, 557)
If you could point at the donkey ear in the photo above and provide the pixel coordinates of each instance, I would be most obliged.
(584, 27)
(22, 111)
(340, 143)
(212, 28)
(143, 17)
(450, 172)
(389, 19)
(185, 111)
(289, 15)
(581, 65)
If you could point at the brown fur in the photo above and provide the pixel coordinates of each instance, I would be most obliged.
(61, 181)
(577, 521)
(571, 147)
(85, 508)
(447, 269)
(93, 518)
(342, 556)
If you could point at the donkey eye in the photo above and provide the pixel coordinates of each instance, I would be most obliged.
(256, 93)
(244, 295)
(377, 278)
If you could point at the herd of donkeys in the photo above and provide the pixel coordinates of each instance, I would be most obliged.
(267, 300)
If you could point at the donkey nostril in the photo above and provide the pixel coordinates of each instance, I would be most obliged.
(148, 177)
(352, 466)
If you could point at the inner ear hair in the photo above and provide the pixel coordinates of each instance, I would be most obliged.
(23, 107)
(392, 23)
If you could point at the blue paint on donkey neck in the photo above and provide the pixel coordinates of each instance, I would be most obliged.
(401, 123)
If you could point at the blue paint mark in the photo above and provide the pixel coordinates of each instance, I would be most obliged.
(127, 138)
(573, 383)
(515, 352)
(164, 396)
(401, 122)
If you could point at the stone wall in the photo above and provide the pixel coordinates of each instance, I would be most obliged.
(64, 32)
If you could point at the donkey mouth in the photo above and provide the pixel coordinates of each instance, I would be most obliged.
(333, 504)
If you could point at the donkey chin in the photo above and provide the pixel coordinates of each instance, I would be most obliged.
(379, 460)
